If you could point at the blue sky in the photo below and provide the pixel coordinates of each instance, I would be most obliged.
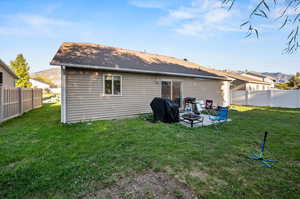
(199, 30)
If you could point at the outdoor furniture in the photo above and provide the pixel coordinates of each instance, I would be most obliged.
(164, 110)
(192, 119)
(222, 115)
(208, 104)
(189, 101)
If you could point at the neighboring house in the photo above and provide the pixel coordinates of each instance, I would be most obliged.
(7, 76)
(243, 82)
(100, 82)
(39, 84)
(261, 77)
(46, 87)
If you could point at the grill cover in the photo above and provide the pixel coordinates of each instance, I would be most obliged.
(165, 110)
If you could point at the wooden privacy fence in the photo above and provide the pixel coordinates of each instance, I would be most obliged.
(16, 101)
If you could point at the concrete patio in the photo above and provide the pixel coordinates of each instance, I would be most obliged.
(206, 121)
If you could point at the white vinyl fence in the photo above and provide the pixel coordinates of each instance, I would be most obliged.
(273, 98)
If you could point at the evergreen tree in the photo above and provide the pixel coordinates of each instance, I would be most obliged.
(21, 69)
(294, 82)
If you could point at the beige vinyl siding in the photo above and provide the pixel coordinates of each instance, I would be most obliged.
(85, 99)
(8, 79)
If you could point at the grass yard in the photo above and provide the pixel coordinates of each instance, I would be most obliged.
(41, 158)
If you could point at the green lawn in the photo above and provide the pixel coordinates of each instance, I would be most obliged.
(41, 158)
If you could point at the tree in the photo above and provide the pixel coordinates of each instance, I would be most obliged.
(21, 69)
(289, 16)
(294, 82)
(283, 86)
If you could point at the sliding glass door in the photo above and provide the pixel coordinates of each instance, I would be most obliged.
(166, 89)
(172, 90)
(176, 92)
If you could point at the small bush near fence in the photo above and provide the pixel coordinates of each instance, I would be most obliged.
(16, 101)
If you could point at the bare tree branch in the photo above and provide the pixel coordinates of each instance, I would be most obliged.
(290, 16)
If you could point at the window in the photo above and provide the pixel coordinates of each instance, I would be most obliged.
(171, 90)
(1, 78)
(176, 92)
(112, 84)
(166, 89)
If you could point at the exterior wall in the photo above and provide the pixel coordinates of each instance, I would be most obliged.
(264, 79)
(257, 87)
(241, 85)
(83, 99)
(8, 79)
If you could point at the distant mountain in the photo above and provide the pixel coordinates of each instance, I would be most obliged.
(52, 74)
(281, 77)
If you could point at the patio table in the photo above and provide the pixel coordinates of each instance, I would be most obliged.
(192, 119)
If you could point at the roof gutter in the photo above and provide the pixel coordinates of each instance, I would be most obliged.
(136, 71)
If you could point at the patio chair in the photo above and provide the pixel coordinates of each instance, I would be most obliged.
(221, 117)
(211, 109)
(208, 104)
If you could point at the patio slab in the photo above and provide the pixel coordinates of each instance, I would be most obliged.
(206, 121)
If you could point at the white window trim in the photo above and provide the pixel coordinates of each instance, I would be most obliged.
(112, 86)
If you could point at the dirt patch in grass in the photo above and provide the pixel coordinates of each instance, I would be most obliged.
(148, 185)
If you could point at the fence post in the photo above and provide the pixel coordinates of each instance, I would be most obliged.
(270, 97)
(1, 102)
(246, 97)
(20, 101)
(298, 98)
(41, 96)
(230, 100)
(32, 98)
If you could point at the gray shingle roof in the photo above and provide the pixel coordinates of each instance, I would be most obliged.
(245, 78)
(95, 55)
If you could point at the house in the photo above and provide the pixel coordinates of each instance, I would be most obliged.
(38, 84)
(260, 77)
(100, 82)
(245, 82)
(7, 76)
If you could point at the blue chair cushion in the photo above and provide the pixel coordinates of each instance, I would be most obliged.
(222, 115)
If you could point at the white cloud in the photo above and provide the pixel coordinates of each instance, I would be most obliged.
(149, 3)
(30, 25)
(201, 16)
(37, 20)
(216, 15)
(194, 28)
